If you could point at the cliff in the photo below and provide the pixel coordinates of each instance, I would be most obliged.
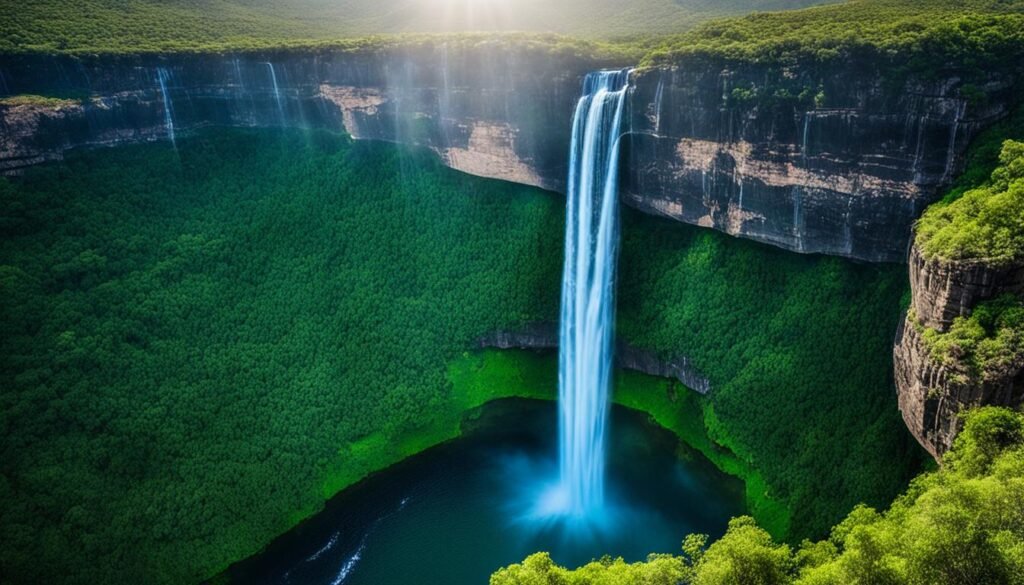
(932, 392)
(544, 336)
(837, 161)
(816, 161)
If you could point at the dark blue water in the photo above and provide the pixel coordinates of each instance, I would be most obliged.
(456, 513)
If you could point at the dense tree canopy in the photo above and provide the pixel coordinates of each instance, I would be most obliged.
(199, 345)
(985, 223)
(893, 35)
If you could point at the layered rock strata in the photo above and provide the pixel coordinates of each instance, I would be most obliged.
(834, 161)
(932, 393)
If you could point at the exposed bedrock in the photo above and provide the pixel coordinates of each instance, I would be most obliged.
(746, 150)
(545, 336)
(931, 393)
(942, 290)
(743, 149)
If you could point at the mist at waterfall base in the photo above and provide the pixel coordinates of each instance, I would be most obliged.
(454, 514)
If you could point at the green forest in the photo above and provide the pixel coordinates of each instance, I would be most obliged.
(133, 26)
(961, 524)
(160, 304)
(983, 223)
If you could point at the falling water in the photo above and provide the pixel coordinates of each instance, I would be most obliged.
(947, 173)
(163, 76)
(803, 144)
(277, 90)
(591, 245)
(658, 96)
(238, 73)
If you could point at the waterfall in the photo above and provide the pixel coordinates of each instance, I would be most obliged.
(238, 73)
(277, 90)
(162, 76)
(658, 96)
(803, 144)
(588, 284)
(947, 173)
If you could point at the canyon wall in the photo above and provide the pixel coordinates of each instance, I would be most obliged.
(836, 160)
(932, 393)
(816, 161)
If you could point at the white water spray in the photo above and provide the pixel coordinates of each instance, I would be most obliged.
(588, 284)
(163, 76)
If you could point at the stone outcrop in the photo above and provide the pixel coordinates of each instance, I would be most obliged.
(737, 147)
(932, 394)
(944, 290)
(545, 336)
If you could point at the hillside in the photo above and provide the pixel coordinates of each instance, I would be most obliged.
(149, 25)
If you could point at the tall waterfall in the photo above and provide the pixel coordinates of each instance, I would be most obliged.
(277, 90)
(588, 287)
(163, 76)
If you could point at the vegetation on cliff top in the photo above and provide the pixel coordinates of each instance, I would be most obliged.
(985, 223)
(987, 345)
(133, 26)
(894, 35)
(962, 524)
(159, 305)
(897, 35)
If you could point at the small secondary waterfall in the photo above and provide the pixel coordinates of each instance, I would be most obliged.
(277, 90)
(588, 286)
(163, 76)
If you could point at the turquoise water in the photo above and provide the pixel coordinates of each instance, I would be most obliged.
(455, 513)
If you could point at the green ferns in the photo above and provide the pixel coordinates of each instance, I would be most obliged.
(961, 525)
(985, 223)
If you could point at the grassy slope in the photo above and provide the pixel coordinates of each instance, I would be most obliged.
(150, 25)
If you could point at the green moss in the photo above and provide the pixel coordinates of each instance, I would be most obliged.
(985, 223)
(38, 100)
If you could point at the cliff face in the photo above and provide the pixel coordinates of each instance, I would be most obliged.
(742, 150)
(932, 394)
(488, 111)
(746, 151)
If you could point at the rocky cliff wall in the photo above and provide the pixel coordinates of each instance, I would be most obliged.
(817, 161)
(932, 394)
(836, 160)
(545, 336)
